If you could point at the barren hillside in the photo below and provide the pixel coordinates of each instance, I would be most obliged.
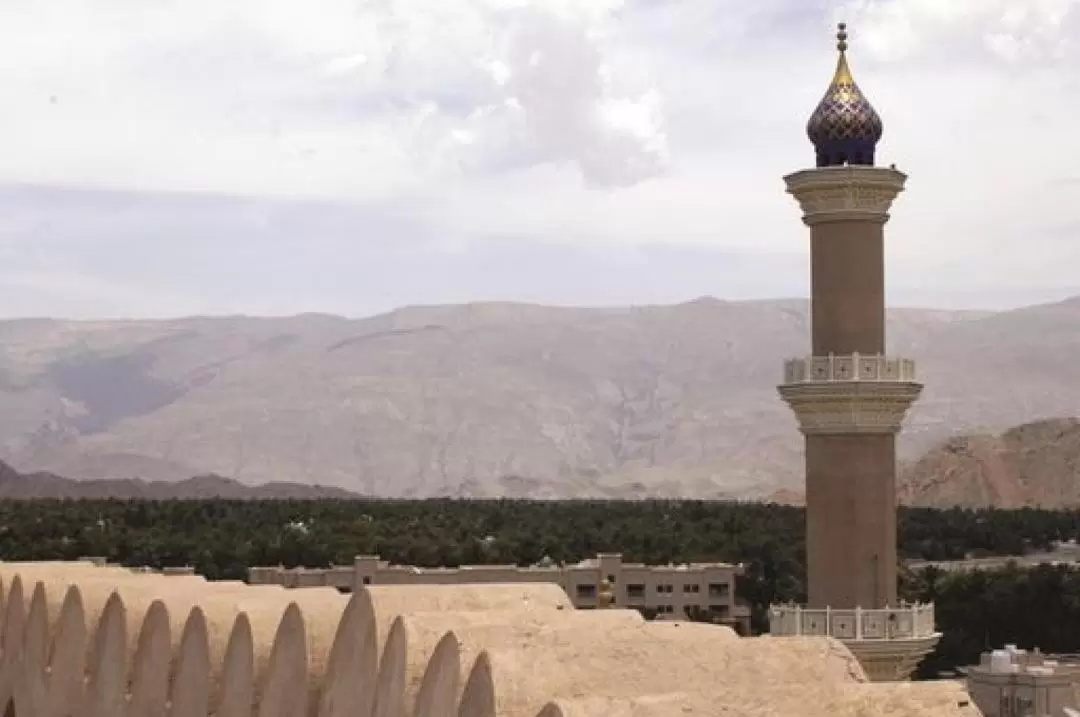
(1036, 464)
(491, 399)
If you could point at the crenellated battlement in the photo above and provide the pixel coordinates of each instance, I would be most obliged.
(79, 640)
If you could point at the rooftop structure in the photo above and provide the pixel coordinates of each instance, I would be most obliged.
(1016, 683)
(705, 590)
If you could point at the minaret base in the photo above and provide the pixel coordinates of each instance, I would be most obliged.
(891, 660)
(888, 643)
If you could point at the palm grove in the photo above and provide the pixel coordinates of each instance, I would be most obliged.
(1037, 606)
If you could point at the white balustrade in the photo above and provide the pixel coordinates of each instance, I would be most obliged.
(849, 367)
(906, 622)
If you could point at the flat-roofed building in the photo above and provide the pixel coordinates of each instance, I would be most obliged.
(700, 590)
(1016, 683)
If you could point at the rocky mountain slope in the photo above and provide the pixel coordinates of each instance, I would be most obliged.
(1036, 464)
(491, 399)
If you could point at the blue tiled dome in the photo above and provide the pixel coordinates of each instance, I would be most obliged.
(845, 128)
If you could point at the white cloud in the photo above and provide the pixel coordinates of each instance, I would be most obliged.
(345, 64)
(1011, 30)
(599, 122)
(359, 99)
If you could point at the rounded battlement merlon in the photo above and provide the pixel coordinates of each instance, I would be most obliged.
(849, 394)
(847, 193)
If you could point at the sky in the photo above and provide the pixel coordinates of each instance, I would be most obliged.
(352, 156)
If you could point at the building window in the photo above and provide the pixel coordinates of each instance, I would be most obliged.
(719, 590)
(635, 591)
(611, 579)
(719, 610)
(691, 588)
(586, 591)
(367, 580)
(661, 588)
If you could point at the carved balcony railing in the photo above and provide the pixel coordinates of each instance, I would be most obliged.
(849, 367)
(907, 622)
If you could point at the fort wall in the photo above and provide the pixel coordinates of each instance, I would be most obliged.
(83, 641)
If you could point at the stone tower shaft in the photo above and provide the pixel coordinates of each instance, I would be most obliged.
(849, 397)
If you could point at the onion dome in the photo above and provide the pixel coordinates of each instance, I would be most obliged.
(844, 128)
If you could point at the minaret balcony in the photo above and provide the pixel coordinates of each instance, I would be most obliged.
(848, 367)
(905, 622)
(889, 643)
(850, 393)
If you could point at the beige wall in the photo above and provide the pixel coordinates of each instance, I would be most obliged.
(670, 590)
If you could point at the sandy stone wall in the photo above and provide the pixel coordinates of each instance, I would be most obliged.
(83, 641)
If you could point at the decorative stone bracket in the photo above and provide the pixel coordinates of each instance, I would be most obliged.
(851, 193)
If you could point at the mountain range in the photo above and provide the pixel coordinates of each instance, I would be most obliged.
(39, 485)
(494, 399)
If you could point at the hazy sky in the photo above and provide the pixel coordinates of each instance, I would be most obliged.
(350, 156)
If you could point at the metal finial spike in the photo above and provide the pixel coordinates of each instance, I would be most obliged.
(841, 37)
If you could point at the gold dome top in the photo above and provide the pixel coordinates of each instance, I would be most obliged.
(845, 128)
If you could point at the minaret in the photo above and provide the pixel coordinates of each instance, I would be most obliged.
(849, 398)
